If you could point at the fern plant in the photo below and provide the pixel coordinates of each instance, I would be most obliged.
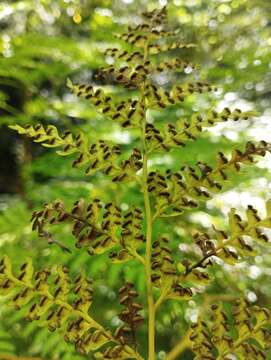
(61, 302)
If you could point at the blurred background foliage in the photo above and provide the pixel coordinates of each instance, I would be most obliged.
(42, 42)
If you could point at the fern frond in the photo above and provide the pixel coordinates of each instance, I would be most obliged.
(127, 113)
(130, 315)
(158, 98)
(164, 272)
(175, 192)
(184, 130)
(249, 323)
(97, 227)
(238, 243)
(101, 156)
(65, 304)
(47, 296)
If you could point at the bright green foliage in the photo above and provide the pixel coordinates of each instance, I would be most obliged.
(104, 227)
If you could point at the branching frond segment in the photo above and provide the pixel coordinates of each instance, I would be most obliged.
(174, 135)
(175, 192)
(215, 339)
(100, 156)
(236, 244)
(96, 226)
(62, 304)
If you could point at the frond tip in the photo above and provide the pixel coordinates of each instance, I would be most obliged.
(101, 156)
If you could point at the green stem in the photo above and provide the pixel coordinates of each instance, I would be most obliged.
(148, 215)
(149, 223)
(151, 308)
(162, 297)
(137, 256)
(180, 347)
